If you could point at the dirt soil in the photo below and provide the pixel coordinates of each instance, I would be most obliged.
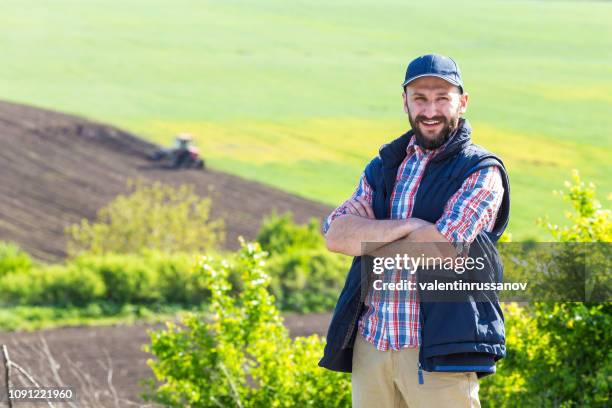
(85, 354)
(56, 169)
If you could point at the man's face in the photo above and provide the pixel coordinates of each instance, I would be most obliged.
(434, 107)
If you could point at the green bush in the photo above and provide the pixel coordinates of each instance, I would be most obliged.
(128, 278)
(13, 258)
(51, 285)
(307, 280)
(240, 355)
(279, 234)
(152, 277)
(558, 356)
(153, 216)
(177, 280)
(21, 287)
(306, 277)
(589, 221)
(146, 278)
(559, 353)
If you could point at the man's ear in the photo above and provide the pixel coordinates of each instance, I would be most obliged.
(463, 102)
(405, 100)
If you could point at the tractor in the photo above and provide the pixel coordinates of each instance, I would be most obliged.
(183, 154)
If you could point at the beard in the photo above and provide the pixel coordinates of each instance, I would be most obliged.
(437, 140)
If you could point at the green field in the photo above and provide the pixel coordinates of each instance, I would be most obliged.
(301, 94)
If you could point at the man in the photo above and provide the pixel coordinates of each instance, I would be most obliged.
(431, 185)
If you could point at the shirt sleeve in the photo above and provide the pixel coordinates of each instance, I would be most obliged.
(363, 190)
(472, 208)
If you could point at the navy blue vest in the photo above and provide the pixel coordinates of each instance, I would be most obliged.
(463, 336)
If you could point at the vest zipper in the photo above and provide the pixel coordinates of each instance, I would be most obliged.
(422, 325)
(420, 375)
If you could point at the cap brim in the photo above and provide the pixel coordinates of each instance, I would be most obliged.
(447, 79)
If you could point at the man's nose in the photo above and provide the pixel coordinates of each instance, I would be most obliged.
(429, 109)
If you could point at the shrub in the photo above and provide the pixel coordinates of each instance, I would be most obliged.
(307, 280)
(128, 278)
(147, 278)
(306, 277)
(278, 234)
(575, 367)
(21, 287)
(51, 285)
(558, 356)
(13, 258)
(116, 279)
(559, 352)
(241, 355)
(177, 280)
(589, 221)
(153, 216)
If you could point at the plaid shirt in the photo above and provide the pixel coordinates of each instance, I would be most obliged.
(391, 318)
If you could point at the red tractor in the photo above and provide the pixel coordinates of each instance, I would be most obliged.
(182, 155)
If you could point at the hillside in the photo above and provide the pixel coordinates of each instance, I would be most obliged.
(56, 169)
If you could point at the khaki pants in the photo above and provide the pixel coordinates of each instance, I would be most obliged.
(389, 379)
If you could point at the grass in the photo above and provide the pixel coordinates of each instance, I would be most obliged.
(301, 95)
(29, 318)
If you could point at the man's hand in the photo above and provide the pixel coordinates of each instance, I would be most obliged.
(360, 207)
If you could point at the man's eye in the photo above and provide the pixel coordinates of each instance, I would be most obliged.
(419, 98)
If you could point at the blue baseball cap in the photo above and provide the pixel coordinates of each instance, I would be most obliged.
(434, 65)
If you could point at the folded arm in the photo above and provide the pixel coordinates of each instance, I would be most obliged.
(354, 223)
(347, 233)
(470, 210)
